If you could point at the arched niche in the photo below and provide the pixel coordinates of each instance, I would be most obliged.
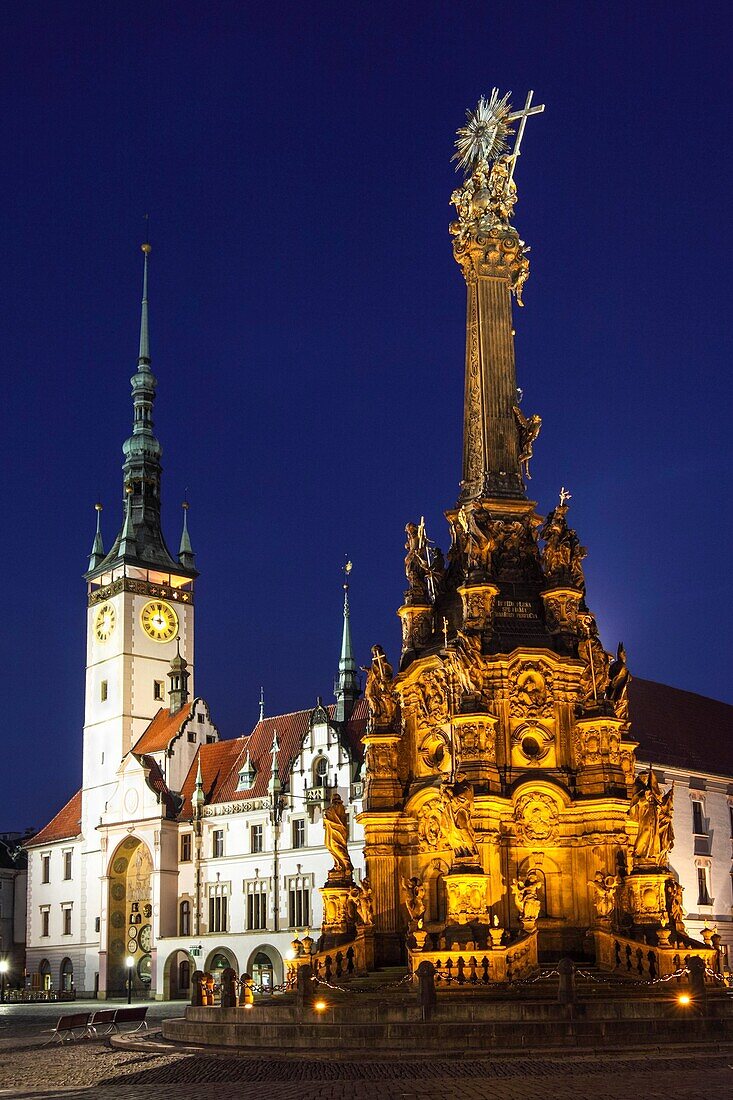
(129, 917)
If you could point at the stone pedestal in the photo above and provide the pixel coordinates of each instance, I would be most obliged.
(337, 922)
(477, 600)
(382, 789)
(474, 738)
(604, 758)
(644, 897)
(417, 626)
(466, 896)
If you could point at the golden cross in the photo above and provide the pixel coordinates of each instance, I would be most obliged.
(445, 631)
(523, 115)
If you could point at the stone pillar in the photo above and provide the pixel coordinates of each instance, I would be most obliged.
(605, 760)
(382, 787)
(381, 866)
(474, 739)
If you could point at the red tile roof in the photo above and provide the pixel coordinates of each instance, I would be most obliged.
(158, 786)
(161, 731)
(222, 762)
(681, 729)
(65, 825)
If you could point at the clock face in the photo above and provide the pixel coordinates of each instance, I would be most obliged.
(104, 621)
(145, 938)
(159, 621)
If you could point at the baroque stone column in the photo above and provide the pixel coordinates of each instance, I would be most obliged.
(380, 857)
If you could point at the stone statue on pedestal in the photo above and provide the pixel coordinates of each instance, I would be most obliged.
(652, 811)
(457, 808)
(337, 836)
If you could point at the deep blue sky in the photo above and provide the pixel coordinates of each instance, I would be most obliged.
(307, 323)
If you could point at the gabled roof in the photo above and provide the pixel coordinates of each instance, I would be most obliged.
(65, 825)
(158, 786)
(163, 728)
(222, 762)
(681, 729)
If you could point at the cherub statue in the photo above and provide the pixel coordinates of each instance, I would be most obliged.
(526, 896)
(502, 190)
(604, 893)
(529, 429)
(378, 691)
(619, 680)
(457, 801)
(414, 895)
(652, 811)
(337, 836)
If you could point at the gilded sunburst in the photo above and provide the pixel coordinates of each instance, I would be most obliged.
(484, 137)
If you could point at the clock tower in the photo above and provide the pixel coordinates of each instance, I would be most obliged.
(139, 604)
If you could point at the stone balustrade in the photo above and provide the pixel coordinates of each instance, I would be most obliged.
(501, 964)
(644, 962)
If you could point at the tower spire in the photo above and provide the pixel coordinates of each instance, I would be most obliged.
(347, 685)
(97, 554)
(262, 704)
(185, 551)
(144, 352)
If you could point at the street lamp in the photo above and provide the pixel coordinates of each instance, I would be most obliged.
(3, 972)
(129, 963)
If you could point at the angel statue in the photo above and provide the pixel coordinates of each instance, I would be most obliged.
(360, 903)
(378, 690)
(336, 828)
(527, 897)
(414, 894)
(652, 811)
(475, 543)
(604, 893)
(528, 429)
(618, 687)
(457, 800)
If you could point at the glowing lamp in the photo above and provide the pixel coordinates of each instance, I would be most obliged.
(684, 998)
(129, 962)
(290, 954)
(248, 1005)
(4, 966)
(320, 1006)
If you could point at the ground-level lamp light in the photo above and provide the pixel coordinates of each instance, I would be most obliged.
(129, 963)
(320, 1006)
(4, 966)
(684, 999)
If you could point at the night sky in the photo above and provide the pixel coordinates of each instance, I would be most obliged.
(307, 324)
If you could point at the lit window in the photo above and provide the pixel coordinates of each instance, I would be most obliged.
(217, 838)
(103, 691)
(299, 833)
(698, 821)
(45, 868)
(67, 865)
(158, 690)
(256, 837)
(186, 848)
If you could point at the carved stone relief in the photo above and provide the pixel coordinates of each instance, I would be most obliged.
(535, 817)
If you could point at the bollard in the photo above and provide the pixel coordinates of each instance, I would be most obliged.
(246, 993)
(427, 998)
(566, 983)
(305, 986)
(696, 973)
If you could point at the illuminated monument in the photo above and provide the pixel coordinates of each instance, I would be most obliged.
(502, 816)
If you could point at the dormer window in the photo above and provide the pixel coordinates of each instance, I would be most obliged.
(246, 775)
(320, 772)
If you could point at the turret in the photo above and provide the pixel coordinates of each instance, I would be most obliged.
(347, 684)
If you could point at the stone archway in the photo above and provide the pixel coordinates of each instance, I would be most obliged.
(129, 917)
(266, 966)
(66, 976)
(177, 976)
(220, 958)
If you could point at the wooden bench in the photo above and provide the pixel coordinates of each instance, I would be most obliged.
(131, 1016)
(103, 1018)
(73, 1026)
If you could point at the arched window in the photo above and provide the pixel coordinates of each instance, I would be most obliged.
(184, 975)
(184, 923)
(320, 772)
(67, 976)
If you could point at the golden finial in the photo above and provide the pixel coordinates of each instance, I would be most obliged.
(146, 247)
(98, 506)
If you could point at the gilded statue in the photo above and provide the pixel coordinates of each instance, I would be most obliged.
(652, 811)
(562, 556)
(618, 687)
(675, 907)
(594, 677)
(502, 190)
(336, 828)
(476, 545)
(604, 893)
(414, 894)
(457, 810)
(527, 898)
(528, 429)
(378, 692)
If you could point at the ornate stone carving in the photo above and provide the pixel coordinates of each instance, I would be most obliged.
(379, 691)
(466, 897)
(413, 893)
(435, 752)
(466, 665)
(516, 542)
(618, 686)
(644, 897)
(478, 605)
(477, 541)
(562, 556)
(535, 818)
(531, 694)
(360, 904)
(430, 827)
(417, 625)
(527, 899)
(424, 565)
(457, 811)
(604, 889)
(428, 698)
(528, 429)
(475, 738)
(652, 812)
(336, 839)
(594, 677)
(598, 742)
(675, 908)
(561, 610)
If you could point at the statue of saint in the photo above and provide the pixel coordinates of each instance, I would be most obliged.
(604, 893)
(502, 190)
(675, 907)
(476, 546)
(378, 692)
(466, 662)
(528, 429)
(415, 566)
(619, 680)
(594, 677)
(337, 836)
(457, 810)
(365, 904)
(414, 895)
(652, 811)
(527, 898)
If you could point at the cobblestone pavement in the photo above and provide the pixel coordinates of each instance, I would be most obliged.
(89, 1070)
